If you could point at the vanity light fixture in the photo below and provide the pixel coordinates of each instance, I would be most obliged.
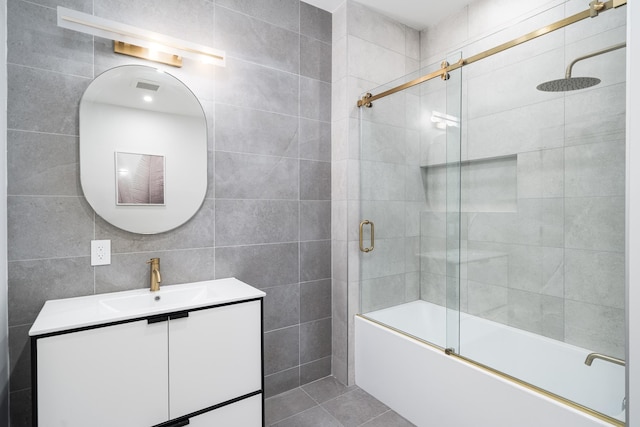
(133, 41)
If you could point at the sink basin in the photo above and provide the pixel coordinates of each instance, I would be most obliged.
(169, 297)
(82, 312)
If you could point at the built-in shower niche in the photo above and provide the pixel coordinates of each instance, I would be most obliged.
(486, 185)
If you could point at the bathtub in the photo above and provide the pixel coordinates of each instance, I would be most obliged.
(428, 387)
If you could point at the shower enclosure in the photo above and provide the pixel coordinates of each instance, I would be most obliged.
(492, 210)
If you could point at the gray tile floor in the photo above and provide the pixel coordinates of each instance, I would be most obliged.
(327, 403)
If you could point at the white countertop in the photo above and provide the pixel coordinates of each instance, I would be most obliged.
(71, 313)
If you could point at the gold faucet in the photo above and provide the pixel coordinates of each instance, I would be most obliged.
(154, 274)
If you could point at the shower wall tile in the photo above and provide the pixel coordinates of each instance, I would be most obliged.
(36, 224)
(595, 223)
(386, 260)
(283, 13)
(42, 164)
(249, 85)
(61, 278)
(79, 5)
(43, 101)
(595, 327)
(536, 313)
(385, 181)
(33, 41)
(259, 265)
(315, 59)
(388, 217)
(365, 57)
(433, 288)
(383, 143)
(246, 130)
(254, 40)
(247, 176)
(488, 301)
(595, 277)
(339, 22)
(451, 31)
(593, 170)
(373, 27)
(541, 173)
(281, 307)
(608, 103)
(382, 292)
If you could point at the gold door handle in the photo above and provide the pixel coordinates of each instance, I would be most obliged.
(362, 224)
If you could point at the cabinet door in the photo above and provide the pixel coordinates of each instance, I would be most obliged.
(245, 413)
(215, 355)
(110, 376)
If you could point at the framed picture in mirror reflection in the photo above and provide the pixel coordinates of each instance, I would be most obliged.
(140, 179)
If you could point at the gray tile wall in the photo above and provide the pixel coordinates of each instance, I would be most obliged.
(266, 219)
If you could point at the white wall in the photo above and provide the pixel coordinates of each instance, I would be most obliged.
(633, 222)
(4, 332)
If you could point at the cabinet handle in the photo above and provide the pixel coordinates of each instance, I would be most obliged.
(179, 315)
(157, 319)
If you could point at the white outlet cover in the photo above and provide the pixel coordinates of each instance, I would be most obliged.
(100, 252)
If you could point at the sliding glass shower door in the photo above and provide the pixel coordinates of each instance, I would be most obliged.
(409, 234)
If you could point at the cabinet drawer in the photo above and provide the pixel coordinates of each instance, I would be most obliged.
(111, 376)
(245, 413)
(215, 355)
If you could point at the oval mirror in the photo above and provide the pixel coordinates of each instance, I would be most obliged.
(143, 149)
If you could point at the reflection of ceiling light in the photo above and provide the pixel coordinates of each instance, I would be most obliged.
(123, 171)
(147, 98)
(137, 42)
(442, 120)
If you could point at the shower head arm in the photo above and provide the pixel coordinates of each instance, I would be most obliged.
(591, 55)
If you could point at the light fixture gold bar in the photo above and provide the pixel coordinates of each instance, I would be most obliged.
(144, 53)
(500, 48)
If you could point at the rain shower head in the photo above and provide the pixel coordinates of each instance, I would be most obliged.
(571, 83)
(575, 83)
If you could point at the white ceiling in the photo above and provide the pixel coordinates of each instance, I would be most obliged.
(417, 14)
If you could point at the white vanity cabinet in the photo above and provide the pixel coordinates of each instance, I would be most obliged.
(201, 366)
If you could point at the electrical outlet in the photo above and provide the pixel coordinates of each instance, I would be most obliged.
(100, 252)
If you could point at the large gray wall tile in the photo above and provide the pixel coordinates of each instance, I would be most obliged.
(315, 180)
(315, 220)
(189, 20)
(43, 101)
(315, 22)
(315, 140)
(315, 340)
(48, 227)
(315, 99)
(253, 86)
(20, 357)
(315, 59)
(247, 176)
(595, 277)
(245, 130)
(256, 221)
(280, 382)
(595, 223)
(315, 260)
(42, 164)
(58, 278)
(315, 300)
(315, 370)
(283, 13)
(281, 307)
(259, 265)
(34, 41)
(251, 39)
(281, 349)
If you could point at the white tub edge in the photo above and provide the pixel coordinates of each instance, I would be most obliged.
(429, 388)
